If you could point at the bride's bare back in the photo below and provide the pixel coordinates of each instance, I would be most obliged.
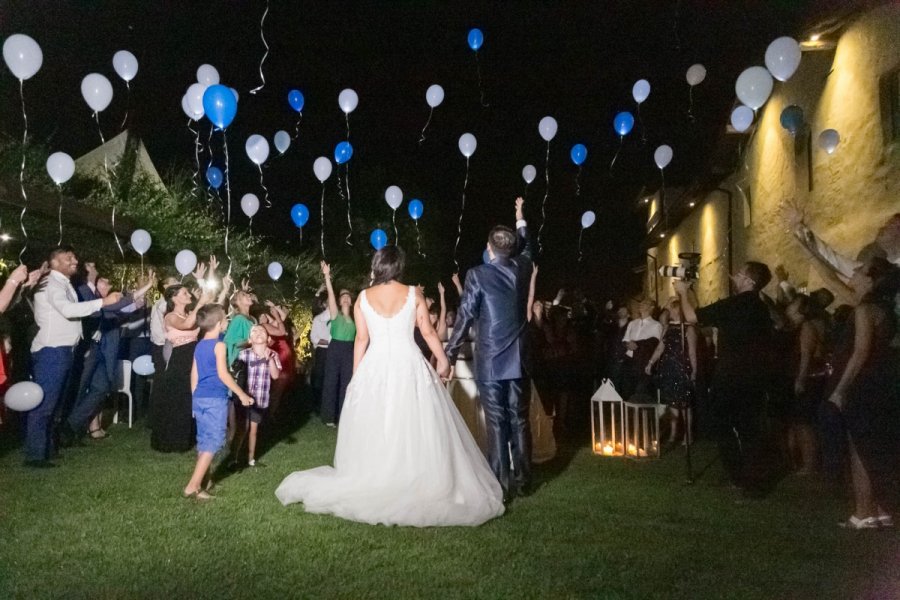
(388, 299)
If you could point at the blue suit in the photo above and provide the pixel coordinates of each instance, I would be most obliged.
(494, 300)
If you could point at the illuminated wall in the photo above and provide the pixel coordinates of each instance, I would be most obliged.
(852, 192)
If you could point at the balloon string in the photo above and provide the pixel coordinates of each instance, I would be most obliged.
(228, 196)
(662, 192)
(349, 239)
(428, 122)
(641, 121)
(262, 35)
(127, 104)
(578, 182)
(251, 226)
(195, 176)
(297, 127)
(480, 83)
(621, 140)
(580, 253)
(462, 210)
(262, 184)
(322, 221)
(525, 192)
(112, 194)
(544, 201)
(347, 119)
(396, 236)
(22, 172)
(297, 273)
(418, 239)
(59, 190)
(691, 102)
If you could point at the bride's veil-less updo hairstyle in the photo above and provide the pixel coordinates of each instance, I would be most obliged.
(387, 264)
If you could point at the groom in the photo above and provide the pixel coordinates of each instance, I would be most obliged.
(494, 300)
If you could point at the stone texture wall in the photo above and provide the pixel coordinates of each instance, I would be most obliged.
(853, 190)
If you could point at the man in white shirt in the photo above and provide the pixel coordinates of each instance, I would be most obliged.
(58, 314)
(641, 338)
(320, 336)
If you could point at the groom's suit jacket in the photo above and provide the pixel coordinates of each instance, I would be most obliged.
(494, 300)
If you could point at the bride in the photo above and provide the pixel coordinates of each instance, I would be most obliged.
(404, 455)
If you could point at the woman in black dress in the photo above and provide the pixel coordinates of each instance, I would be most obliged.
(865, 392)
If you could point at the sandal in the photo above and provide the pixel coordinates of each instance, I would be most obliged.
(855, 522)
(93, 433)
(199, 495)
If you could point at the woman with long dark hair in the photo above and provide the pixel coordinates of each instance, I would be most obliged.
(404, 455)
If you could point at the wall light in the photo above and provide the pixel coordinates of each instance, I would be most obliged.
(5, 237)
(691, 204)
(814, 37)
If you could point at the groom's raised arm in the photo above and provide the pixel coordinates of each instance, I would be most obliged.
(469, 305)
(524, 242)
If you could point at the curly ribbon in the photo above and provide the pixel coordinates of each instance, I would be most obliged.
(662, 193)
(127, 104)
(427, 123)
(418, 240)
(262, 184)
(462, 210)
(691, 103)
(322, 221)
(59, 190)
(394, 221)
(228, 196)
(262, 35)
(578, 182)
(112, 195)
(195, 176)
(22, 172)
(580, 253)
(480, 83)
(297, 273)
(621, 141)
(641, 121)
(349, 239)
(544, 201)
(297, 127)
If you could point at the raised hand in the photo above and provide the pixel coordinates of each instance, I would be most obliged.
(245, 285)
(520, 202)
(213, 263)
(227, 282)
(19, 274)
(440, 287)
(112, 298)
(326, 268)
(457, 283)
(200, 271)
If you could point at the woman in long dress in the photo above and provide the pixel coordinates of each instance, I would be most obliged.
(404, 455)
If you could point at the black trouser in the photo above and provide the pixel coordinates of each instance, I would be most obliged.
(508, 431)
(338, 371)
(741, 432)
(317, 377)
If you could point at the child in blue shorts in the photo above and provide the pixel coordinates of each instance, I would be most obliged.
(210, 382)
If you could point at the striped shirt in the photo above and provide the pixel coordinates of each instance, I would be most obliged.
(259, 381)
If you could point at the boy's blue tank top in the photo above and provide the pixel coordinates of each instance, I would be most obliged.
(208, 383)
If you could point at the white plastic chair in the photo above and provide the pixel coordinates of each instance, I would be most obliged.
(123, 386)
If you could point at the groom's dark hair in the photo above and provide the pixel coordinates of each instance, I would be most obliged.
(502, 240)
(387, 264)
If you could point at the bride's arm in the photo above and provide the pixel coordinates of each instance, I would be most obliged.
(423, 322)
(362, 334)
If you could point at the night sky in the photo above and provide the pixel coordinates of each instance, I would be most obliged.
(575, 61)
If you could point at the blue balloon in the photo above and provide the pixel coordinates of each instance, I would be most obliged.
(476, 39)
(214, 177)
(299, 214)
(792, 118)
(220, 105)
(415, 208)
(579, 153)
(623, 123)
(378, 239)
(485, 257)
(343, 152)
(295, 99)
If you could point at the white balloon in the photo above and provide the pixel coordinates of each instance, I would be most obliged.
(783, 58)
(663, 156)
(547, 128)
(185, 261)
(24, 396)
(97, 91)
(348, 100)
(467, 144)
(250, 204)
(140, 241)
(641, 90)
(829, 140)
(257, 148)
(282, 141)
(529, 173)
(207, 75)
(60, 167)
(434, 96)
(186, 107)
(741, 118)
(587, 219)
(275, 270)
(753, 87)
(22, 55)
(234, 92)
(195, 99)
(322, 168)
(143, 365)
(695, 74)
(394, 197)
(126, 64)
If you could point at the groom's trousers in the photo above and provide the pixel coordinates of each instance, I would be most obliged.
(508, 432)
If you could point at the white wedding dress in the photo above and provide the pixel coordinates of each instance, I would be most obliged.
(404, 455)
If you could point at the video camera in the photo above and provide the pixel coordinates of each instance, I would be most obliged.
(688, 270)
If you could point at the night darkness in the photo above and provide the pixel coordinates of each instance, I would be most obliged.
(575, 61)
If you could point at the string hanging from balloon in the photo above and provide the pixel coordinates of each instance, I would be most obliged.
(262, 184)
(475, 40)
(126, 66)
(227, 178)
(578, 155)
(59, 193)
(127, 106)
(462, 210)
(419, 240)
(415, 211)
(322, 220)
(394, 221)
(427, 123)
(195, 176)
(544, 201)
(349, 239)
(112, 194)
(622, 124)
(262, 35)
(22, 172)
(297, 273)
(434, 95)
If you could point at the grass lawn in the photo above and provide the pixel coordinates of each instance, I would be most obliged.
(111, 523)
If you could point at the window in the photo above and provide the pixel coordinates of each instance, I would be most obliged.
(890, 105)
